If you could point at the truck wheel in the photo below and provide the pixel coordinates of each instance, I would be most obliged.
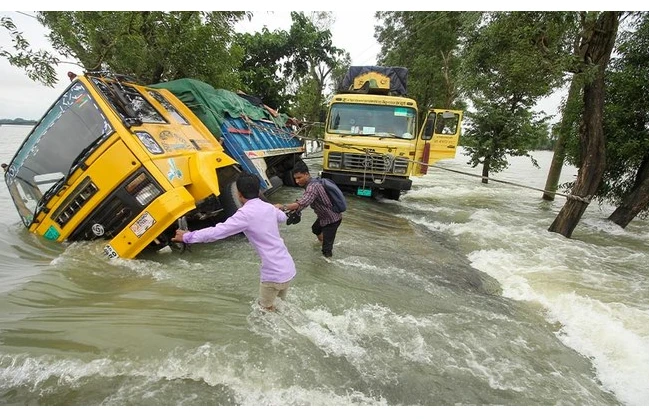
(287, 177)
(229, 199)
(393, 194)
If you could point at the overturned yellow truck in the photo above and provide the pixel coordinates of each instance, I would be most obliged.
(121, 162)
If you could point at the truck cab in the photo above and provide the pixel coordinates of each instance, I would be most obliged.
(373, 140)
(116, 161)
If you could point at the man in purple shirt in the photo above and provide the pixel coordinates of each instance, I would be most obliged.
(258, 221)
(327, 222)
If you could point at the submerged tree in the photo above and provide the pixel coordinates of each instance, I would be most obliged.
(626, 180)
(598, 37)
(511, 60)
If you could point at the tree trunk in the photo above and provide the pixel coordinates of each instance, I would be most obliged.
(552, 182)
(635, 201)
(596, 50)
(485, 169)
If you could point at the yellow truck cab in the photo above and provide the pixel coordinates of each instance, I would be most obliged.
(120, 162)
(373, 141)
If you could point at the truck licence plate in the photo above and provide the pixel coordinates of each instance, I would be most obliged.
(364, 192)
(142, 224)
(110, 252)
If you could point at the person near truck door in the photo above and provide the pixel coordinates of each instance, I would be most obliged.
(326, 225)
(258, 221)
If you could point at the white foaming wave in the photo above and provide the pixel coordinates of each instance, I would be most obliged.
(448, 192)
(211, 365)
(619, 351)
(20, 370)
(481, 227)
(604, 225)
(349, 335)
(90, 255)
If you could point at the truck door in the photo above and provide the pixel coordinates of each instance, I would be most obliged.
(438, 137)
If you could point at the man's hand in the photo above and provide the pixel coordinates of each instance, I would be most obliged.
(179, 236)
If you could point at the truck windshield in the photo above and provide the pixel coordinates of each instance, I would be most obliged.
(69, 128)
(373, 120)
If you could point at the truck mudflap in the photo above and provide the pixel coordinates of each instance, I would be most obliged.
(150, 223)
(362, 183)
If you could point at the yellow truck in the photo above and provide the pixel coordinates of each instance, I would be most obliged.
(373, 142)
(120, 162)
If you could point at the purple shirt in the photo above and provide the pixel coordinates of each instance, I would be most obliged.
(316, 196)
(258, 220)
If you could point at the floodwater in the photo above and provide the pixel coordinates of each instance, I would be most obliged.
(455, 295)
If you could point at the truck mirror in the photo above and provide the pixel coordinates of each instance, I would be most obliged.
(428, 129)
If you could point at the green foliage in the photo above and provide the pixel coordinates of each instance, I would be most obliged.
(152, 46)
(38, 65)
(429, 45)
(626, 124)
(262, 66)
(511, 60)
(291, 71)
(496, 132)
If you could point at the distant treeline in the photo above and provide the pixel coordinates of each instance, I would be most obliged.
(17, 121)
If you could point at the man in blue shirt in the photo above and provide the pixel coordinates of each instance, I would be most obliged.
(259, 222)
(327, 222)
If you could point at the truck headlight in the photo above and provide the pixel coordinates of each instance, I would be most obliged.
(334, 165)
(400, 170)
(147, 140)
(143, 189)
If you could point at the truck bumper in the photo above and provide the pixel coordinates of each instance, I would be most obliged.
(350, 180)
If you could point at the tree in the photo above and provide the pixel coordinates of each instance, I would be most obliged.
(291, 71)
(152, 46)
(598, 38)
(313, 62)
(261, 70)
(626, 180)
(429, 45)
(38, 65)
(510, 61)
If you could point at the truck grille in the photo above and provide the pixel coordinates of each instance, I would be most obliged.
(384, 163)
(74, 202)
(118, 210)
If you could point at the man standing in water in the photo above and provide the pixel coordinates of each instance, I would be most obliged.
(327, 222)
(258, 220)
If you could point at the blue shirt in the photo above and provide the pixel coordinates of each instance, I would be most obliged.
(259, 221)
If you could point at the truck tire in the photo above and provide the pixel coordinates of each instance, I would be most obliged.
(229, 199)
(392, 194)
(287, 177)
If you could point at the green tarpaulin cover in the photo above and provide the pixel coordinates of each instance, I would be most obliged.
(212, 106)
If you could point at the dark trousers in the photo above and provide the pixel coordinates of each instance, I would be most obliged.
(328, 235)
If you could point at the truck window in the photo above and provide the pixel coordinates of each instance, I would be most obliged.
(129, 103)
(73, 126)
(446, 123)
(373, 120)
